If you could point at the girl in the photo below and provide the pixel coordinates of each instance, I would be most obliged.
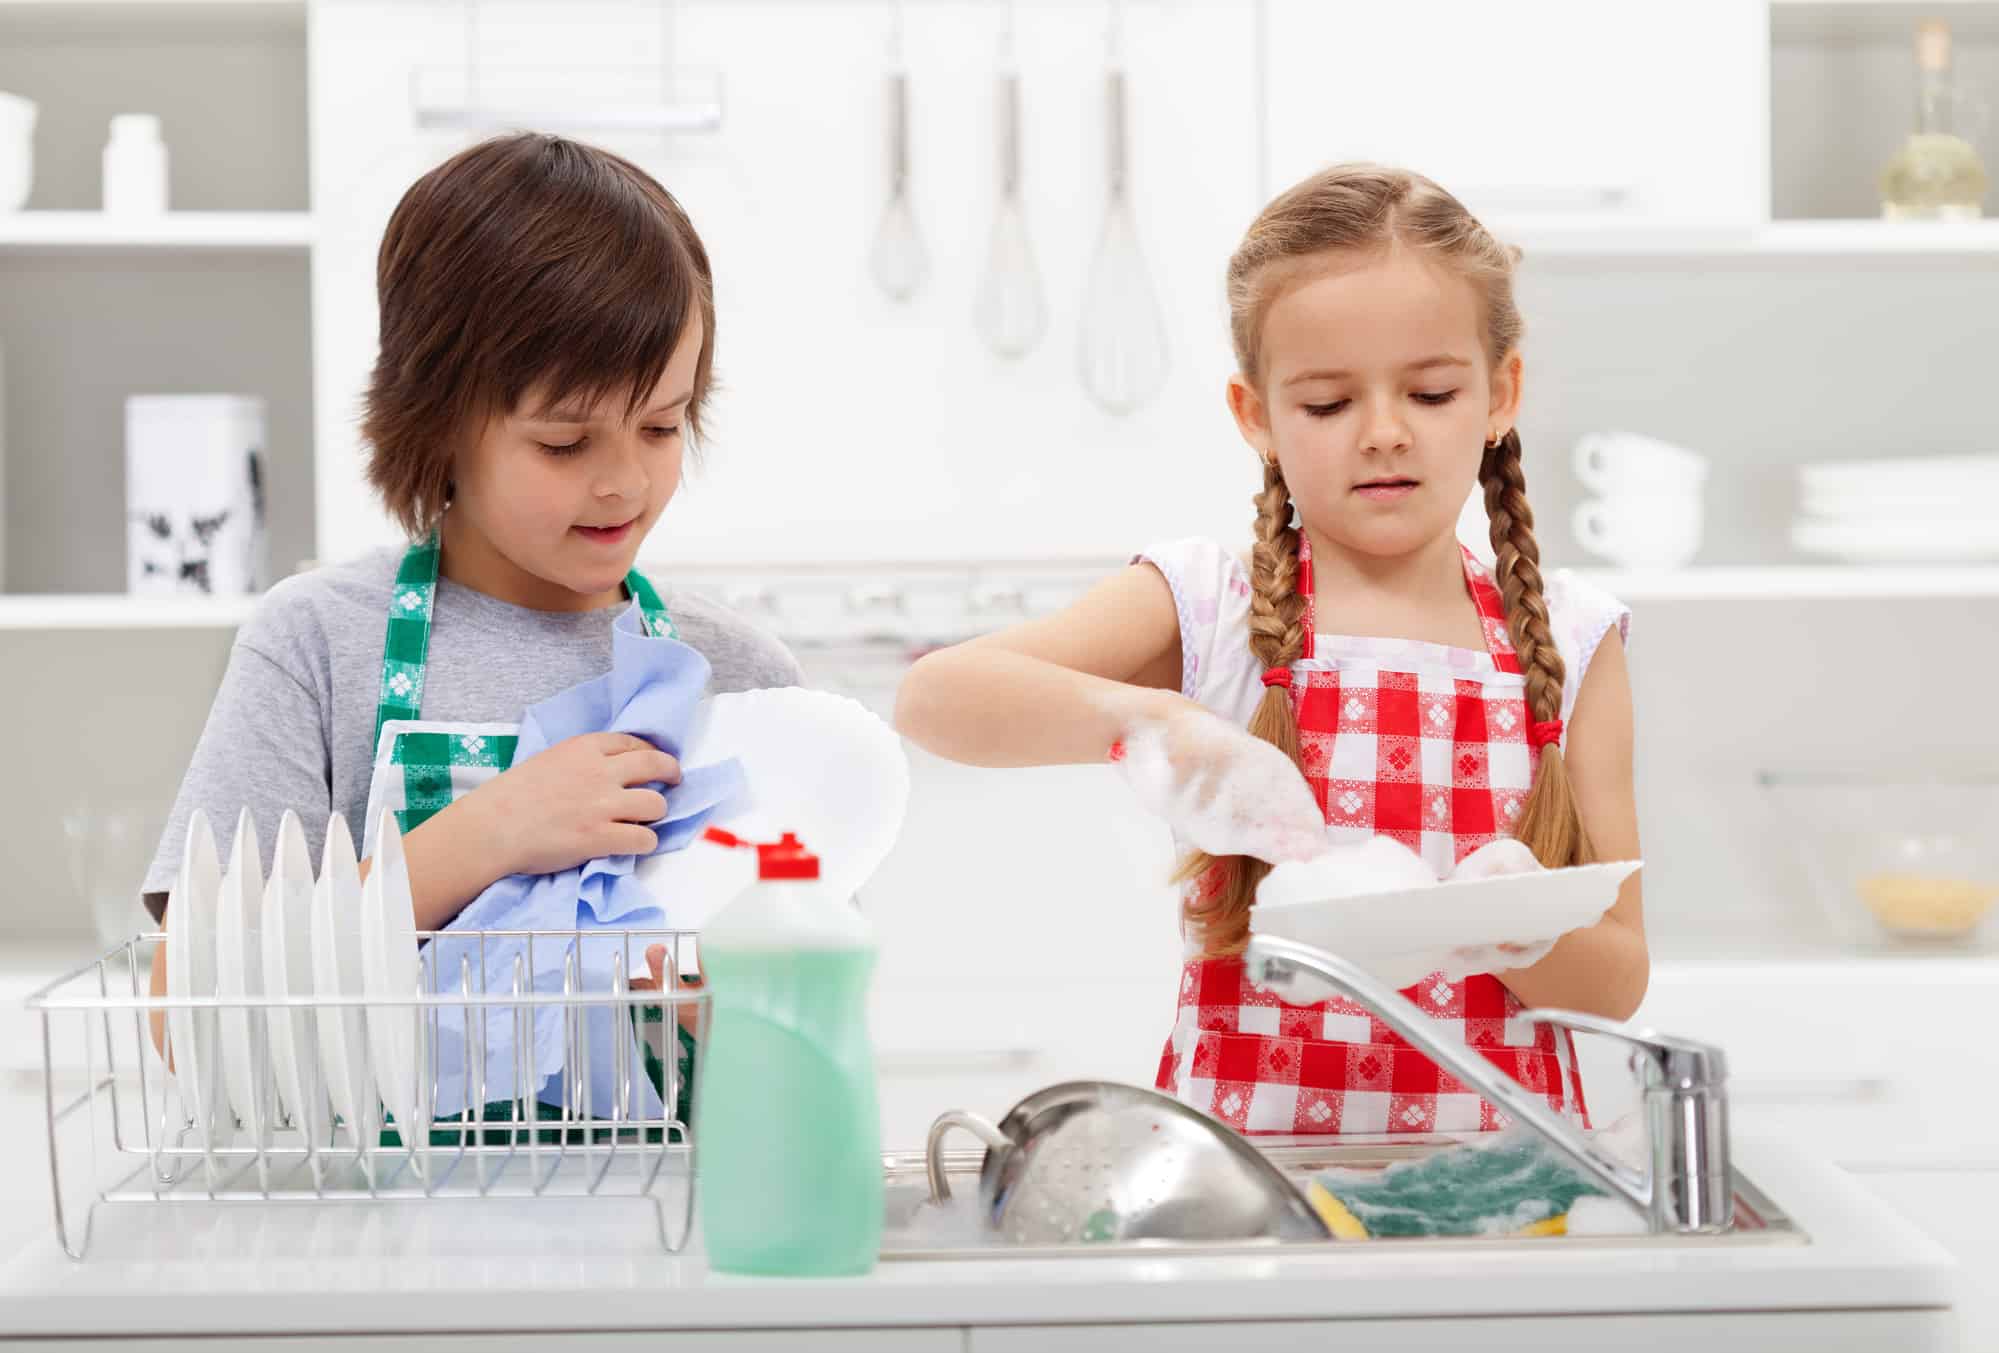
(547, 339)
(1423, 696)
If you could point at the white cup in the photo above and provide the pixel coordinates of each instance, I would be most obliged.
(17, 151)
(1657, 530)
(1616, 462)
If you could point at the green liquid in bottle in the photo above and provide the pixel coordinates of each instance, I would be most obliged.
(787, 1129)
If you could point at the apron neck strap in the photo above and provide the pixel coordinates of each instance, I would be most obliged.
(406, 651)
(1479, 586)
(657, 622)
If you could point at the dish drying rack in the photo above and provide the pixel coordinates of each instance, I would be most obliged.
(128, 1136)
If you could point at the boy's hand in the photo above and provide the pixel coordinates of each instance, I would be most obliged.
(1219, 788)
(688, 1013)
(579, 800)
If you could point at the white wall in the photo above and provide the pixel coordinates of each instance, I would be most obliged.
(851, 427)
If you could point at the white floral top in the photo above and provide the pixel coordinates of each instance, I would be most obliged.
(1217, 670)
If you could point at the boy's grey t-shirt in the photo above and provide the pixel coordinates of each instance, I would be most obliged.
(293, 725)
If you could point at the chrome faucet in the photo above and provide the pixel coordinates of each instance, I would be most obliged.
(1689, 1187)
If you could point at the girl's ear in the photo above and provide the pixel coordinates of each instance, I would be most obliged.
(1506, 376)
(1252, 416)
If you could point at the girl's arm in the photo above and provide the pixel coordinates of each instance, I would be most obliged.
(1604, 969)
(1054, 691)
(1062, 690)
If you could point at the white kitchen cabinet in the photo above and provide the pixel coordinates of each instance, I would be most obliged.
(1869, 1061)
(1830, 1332)
(1582, 109)
(1956, 1207)
(650, 1341)
(210, 296)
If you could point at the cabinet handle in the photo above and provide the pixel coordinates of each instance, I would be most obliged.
(1803, 1090)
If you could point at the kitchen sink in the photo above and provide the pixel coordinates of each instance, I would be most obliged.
(916, 1231)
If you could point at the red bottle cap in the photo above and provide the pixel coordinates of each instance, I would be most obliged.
(784, 858)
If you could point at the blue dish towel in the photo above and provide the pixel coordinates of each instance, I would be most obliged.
(653, 690)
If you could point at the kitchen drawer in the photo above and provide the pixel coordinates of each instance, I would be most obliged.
(1956, 1208)
(1764, 1332)
(1875, 1060)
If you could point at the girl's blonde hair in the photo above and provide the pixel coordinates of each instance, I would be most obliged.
(1369, 208)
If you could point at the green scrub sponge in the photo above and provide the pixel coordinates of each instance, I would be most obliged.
(1516, 1185)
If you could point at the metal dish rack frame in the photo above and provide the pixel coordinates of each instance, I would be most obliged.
(132, 1108)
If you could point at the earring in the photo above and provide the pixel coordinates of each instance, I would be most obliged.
(1493, 440)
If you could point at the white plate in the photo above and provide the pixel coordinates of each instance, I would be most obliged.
(1405, 934)
(287, 929)
(336, 971)
(239, 961)
(191, 973)
(1970, 474)
(817, 764)
(1932, 540)
(392, 969)
(1899, 503)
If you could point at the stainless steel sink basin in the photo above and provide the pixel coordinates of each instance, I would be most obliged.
(915, 1231)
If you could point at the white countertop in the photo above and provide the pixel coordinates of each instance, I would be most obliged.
(495, 1266)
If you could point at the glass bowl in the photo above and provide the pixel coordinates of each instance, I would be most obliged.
(1905, 861)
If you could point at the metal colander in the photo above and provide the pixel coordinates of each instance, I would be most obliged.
(1095, 1162)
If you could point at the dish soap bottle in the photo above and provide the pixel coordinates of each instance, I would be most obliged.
(787, 1128)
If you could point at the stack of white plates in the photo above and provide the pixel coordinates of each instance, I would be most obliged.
(1937, 509)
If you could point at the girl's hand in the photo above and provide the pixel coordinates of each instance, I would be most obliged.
(579, 800)
(1220, 789)
(688, 1014)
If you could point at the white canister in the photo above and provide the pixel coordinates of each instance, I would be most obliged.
(135, 166)
(17, 151)
(194, 494)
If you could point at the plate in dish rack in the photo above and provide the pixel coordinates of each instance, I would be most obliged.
(337, 966)
(239, 961)
(191, 1034)
(393, 970)
(287, 927)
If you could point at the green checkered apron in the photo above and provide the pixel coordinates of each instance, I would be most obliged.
(422, 768)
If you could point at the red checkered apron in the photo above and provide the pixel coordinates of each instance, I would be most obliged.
(1438, 759)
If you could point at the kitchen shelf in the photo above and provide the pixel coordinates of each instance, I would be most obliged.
(1853, 21)
(1796, 582)
(247, 6)
(241, 231)
(86, 611)
(1586, 238)
(94, 611)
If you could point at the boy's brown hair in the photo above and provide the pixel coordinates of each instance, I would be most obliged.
(527, 262)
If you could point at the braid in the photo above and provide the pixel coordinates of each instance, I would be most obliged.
(1225, 887)
(1549, 824)
(1276, 611)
